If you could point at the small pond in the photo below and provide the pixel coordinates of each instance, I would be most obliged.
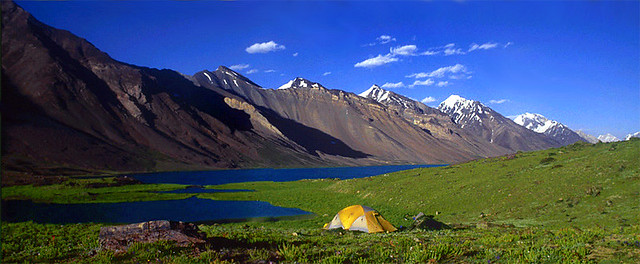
(188, 210)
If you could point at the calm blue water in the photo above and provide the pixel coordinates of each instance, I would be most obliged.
(187, 210)
(280, 175)
(192, 209)
(201, 190)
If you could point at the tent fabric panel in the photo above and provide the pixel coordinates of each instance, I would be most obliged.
(350, 214)
(386, 225)
(367, 208)
(372, 223)
(335, 223)
(360, 224)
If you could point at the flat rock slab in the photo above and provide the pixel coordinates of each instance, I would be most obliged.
(119, 238)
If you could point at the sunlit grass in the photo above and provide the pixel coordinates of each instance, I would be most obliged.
(79, 191)
(574, 204)
(583, 186)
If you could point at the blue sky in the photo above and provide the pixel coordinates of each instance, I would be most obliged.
(577, 62)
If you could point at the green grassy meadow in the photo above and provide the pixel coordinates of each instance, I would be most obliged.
(93, 191)
(575, 204)
(581, 185)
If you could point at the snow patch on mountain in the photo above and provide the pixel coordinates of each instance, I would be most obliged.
(390, 98)
(208, 77)
(286, 85)
(375, 93)
(551, 128)
(300, 83)
(608, 138)
(461, 109)
(633, 135)
(536, 122)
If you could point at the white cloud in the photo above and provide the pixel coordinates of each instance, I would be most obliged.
(508, 44)
(442, 83)
(326, 73)
(441, 72)
(426, 82)
(238, 67)
(384, 39)
(264, 47)
(428, 99)
(450, 49)
(430, 53)
(484, 46)
(393, 85)
(406, 50)
(270, 70)
(376, 61)
(295, 54)
(252, 71)
(460, 76)
(418, 75)
(500, 101)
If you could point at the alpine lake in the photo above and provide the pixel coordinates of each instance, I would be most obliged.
(191, 209)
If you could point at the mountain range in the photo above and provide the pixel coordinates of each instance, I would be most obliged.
(608, 138)
(588, 138)
(492, 126)
(552, 129)
(70, 108)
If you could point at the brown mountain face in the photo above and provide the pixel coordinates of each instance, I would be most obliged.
(363, 124)
(433, 121)
(68, 106)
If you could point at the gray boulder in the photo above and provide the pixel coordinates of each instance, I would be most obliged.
(119, 238)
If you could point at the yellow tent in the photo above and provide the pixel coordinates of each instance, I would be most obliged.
(360, 218)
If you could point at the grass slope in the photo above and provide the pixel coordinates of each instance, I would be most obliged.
(92, 191)
(579, 185)
(576, 204)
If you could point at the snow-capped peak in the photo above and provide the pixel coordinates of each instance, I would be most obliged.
(286, 85)
(634, 135)
(375, 93)
(300, 83)
(536, 122)
(454, 100)
(553, 129)
(461, 109)
(608, 138)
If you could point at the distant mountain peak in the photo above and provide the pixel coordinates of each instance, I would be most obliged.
(553, 129)
(375, 93)
(390, 98)
(461, 109)
(299, 82)
(536, 122)
(228, 71)
(608, 138)
(589, 138)
(454, 100)
(483, 121)
(633, 135)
